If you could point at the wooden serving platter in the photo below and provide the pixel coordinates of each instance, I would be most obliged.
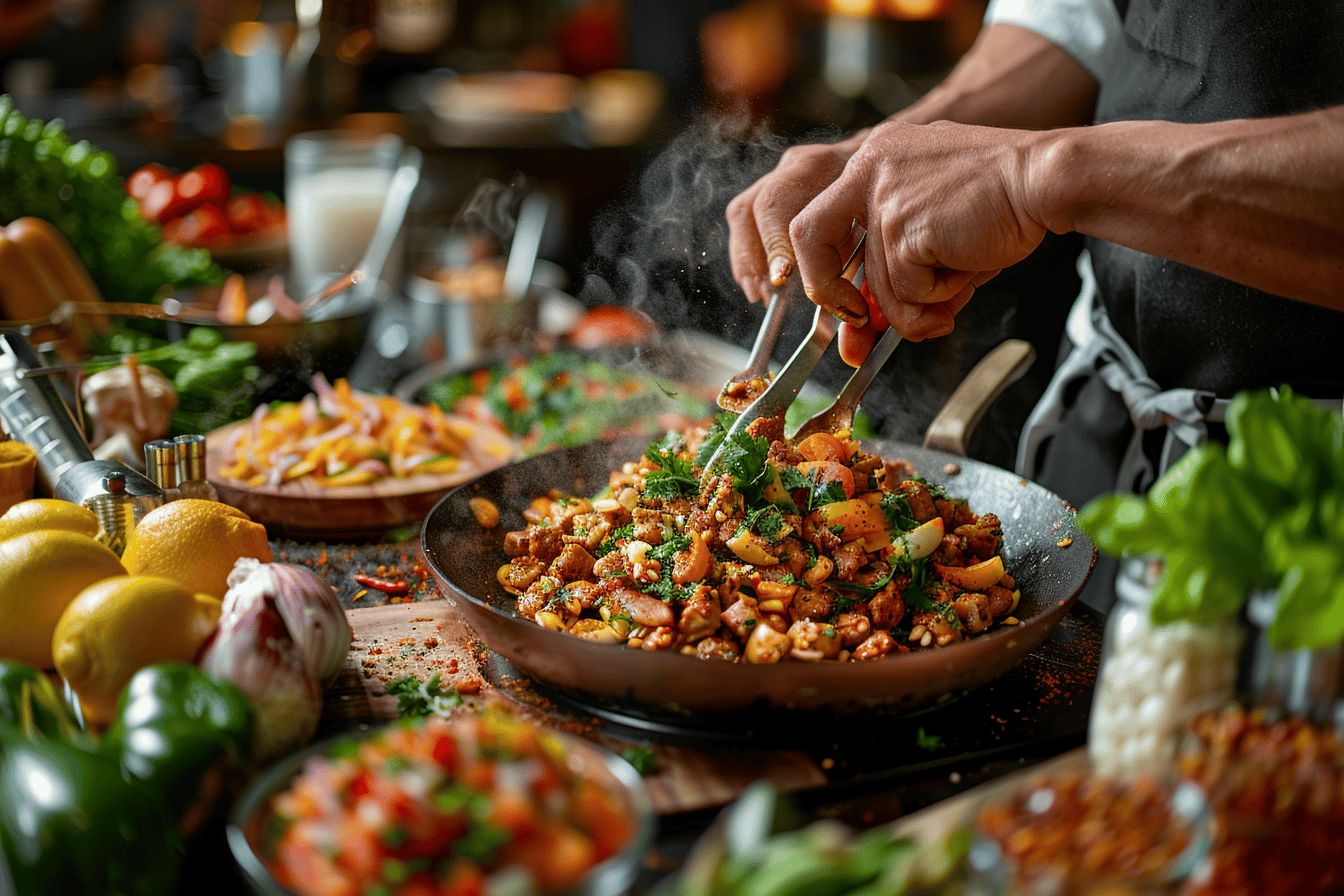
(302, 509)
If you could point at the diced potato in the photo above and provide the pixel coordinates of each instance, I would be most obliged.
(920, 541)
(977, 577)
(752, 548)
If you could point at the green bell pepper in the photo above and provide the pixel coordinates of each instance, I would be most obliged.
(29, 701)
(69, 821)
(179, 732)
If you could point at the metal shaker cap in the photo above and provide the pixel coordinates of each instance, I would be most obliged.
(190, 457)
(161, 462)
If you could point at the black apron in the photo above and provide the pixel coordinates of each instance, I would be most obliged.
(1199, 61)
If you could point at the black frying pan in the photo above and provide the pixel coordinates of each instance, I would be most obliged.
(1037, 529)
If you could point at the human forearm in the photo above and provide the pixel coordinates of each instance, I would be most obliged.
(1012, 77)
(1256, 201)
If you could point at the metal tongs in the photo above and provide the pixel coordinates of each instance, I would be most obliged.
(784, 390)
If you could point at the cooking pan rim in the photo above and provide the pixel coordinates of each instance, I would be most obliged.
(1050, 612)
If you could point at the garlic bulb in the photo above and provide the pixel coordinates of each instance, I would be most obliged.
(307, 604)
(252, 649)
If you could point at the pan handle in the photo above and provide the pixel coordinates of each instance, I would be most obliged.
(1006, 364)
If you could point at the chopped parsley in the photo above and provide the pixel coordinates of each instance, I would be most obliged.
(818, 493)
(744, 456)
(642, 758)
(896, 506)
(611, 542)
(674, 478)
(665, 553)
(926, 741)
(766, 522)
(423, 698)
(937, 492)
(788, 579)
(837, 530)
(862, 592)
(717, 430)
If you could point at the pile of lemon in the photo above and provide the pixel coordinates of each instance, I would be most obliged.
(68, 602)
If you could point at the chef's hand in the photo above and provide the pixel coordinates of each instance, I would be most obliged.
(758, 217)
(946, 208)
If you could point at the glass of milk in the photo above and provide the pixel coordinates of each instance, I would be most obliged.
(335, 182)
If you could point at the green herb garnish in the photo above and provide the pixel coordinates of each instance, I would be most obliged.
(424, 698)
(642, 758)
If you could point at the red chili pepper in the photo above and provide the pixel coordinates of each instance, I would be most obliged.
(395, 587)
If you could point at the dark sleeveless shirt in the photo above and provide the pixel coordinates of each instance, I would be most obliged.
(1210, 60)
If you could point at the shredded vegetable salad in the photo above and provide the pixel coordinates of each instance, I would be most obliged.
(442, 806)
(338, 437)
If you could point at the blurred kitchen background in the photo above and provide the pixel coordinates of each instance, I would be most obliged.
(639, 119)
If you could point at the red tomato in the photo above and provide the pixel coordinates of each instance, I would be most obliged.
(161, 204)
(830, 471)
(203, 185)
(823, 446)
(200, 227)
(247, 214)
(609, 324)
(138, 184)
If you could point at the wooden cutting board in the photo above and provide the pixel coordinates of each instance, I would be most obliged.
(302, 509)
(427, 637)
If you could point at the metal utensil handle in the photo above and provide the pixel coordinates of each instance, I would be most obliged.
(526, 244)
(784, 390)
(767, 337)
(840, 415)
(391, 219)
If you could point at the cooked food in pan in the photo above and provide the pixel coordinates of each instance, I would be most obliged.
(810, 551)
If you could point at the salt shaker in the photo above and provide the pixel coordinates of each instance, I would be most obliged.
(191, 481)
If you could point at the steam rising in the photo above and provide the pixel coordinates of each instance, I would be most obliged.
(665, 253)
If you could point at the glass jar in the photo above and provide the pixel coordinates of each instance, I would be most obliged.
(1154, 678)
(1305, 683)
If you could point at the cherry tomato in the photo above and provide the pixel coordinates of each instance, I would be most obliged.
(830, 471)
(608, 324)
(139, 183)
(199, 227)
(161, 203)
(823, 446)
(247, 214)
(206, 184)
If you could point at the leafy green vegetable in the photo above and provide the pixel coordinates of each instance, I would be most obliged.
(612, 541)
(896, 507)
(1266, 513)
(76, 188)
(766, 522)
(744, 457)
(714, 437)
(674, 477)
(818, 493)
(424, 698)
(642, 758)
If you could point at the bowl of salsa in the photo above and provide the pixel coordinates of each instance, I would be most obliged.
(481, 803)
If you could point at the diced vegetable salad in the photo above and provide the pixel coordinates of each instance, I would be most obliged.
(441, 806)
(561, 400)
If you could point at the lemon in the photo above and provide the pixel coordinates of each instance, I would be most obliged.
(40, 573)
(194, 543)
(116, 627)
(47, 513)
